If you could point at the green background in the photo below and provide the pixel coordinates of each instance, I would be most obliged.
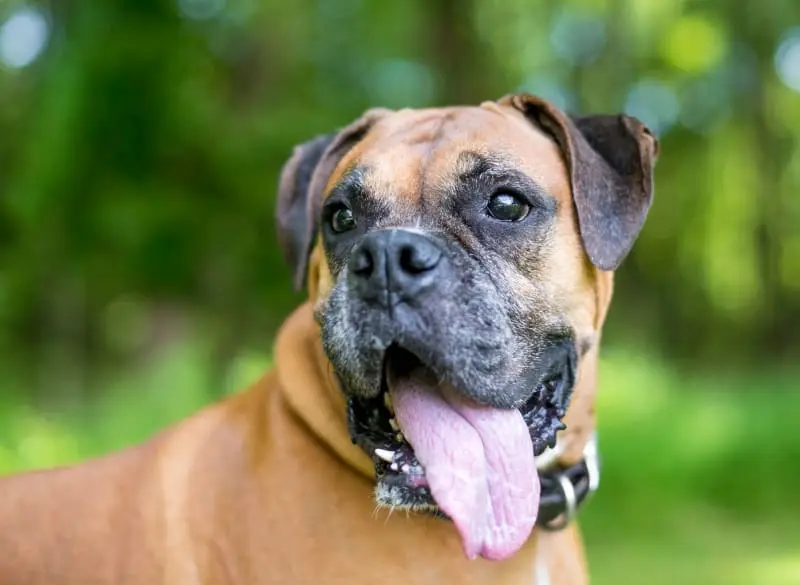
(140, 280)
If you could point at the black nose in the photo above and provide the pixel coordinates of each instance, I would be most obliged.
(389, 266)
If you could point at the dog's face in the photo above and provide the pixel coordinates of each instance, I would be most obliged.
(458, 249)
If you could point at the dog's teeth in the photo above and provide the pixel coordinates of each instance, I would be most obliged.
(394, 466)
(385, 454)
(387, 400)
(394, 425)
(405, 468)
(400, 438)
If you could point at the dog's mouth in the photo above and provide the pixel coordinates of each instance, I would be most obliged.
(436, 452)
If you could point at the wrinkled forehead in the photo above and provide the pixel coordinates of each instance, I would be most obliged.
(409, 151)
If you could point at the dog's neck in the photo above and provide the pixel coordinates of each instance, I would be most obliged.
(312, 392)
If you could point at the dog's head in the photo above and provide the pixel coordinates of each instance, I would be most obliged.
(453, 258)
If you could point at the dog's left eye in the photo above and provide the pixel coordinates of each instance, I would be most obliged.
(342, 220)
(507, 207)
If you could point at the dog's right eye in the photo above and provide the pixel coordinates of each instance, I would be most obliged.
(342, 220)
(507, 207)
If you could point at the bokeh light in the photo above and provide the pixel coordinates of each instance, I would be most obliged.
(694, 43)
(23, 37)
(654, 103)
(578, 38)
(787, 59)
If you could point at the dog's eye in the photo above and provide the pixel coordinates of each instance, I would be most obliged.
(507, 207)
(342, 220)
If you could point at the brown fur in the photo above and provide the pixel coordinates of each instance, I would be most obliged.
(266, 486)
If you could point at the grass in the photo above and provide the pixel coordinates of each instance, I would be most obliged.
(699, 471)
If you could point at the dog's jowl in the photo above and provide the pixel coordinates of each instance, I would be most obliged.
(458, 263)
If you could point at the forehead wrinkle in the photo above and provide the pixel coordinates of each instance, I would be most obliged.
(406, 144)
(428, 157)
(398, 153)
(425, 129)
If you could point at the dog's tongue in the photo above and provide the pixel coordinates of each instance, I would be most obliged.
(478, 461)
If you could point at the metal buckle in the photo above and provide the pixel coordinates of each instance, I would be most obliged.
(591, 460)
(572, 505)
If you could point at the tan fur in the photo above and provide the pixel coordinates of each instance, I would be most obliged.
(266, 487)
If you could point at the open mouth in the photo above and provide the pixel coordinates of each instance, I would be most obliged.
(434, 452)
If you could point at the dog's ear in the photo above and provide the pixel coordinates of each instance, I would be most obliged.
(303, 179)
(610, 161)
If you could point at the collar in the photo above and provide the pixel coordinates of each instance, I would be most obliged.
(565, 489)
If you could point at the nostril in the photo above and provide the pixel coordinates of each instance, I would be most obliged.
(416, 259)
(362, 263)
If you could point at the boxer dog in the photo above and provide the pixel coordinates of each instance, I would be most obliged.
(459, 265)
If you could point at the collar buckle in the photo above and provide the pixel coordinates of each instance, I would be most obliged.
(565, 489)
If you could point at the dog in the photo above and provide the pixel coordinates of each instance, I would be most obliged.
(430, 402)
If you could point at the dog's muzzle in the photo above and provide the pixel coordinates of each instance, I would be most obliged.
(448, 391)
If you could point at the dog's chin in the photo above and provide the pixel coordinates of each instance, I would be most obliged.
(400, 478)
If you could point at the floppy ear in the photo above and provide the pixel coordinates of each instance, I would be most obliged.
(302, 182)
(610, 161)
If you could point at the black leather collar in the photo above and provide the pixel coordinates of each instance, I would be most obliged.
(565, 489)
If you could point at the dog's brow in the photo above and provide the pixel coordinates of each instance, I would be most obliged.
(494, 167)
(352, 184)
(475, 164)
(354, 189)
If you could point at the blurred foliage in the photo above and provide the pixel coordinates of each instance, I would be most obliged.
(139, 152)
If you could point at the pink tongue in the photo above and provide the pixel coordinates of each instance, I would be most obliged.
(478, 461)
